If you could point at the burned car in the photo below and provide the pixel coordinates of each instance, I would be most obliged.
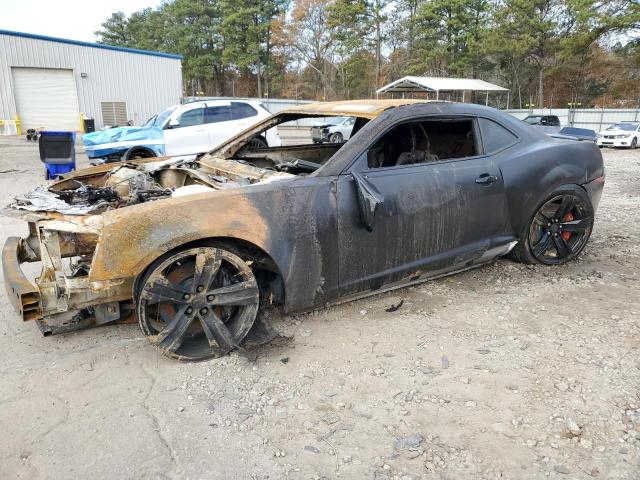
(198, 250)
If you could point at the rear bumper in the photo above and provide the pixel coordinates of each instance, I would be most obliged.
(24, 295)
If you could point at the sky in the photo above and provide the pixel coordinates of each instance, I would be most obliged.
(73, 19)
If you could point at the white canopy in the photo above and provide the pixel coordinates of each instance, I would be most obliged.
(440, 84)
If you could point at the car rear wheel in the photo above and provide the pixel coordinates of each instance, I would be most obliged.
(257, 143)
(559, 229)
(198, 303)
(336, 138)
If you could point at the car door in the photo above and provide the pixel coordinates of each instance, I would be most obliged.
(434, 215)
(185, 133)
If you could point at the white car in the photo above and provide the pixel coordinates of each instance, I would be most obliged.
(335, 130)
(192, 128)
(624, 134)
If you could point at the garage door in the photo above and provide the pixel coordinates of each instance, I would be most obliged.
(46, 98)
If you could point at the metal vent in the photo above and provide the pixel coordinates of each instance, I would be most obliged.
(114, 113)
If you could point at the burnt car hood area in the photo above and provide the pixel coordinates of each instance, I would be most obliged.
(199, 250)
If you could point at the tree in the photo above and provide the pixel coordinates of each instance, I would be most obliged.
(115, 31)
(555, 51)
(309, 39)
(248, 31)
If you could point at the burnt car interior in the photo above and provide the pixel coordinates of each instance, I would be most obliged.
(423, 142)
(301, 156)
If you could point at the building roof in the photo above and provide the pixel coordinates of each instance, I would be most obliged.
(351, 108)
(439, 84)
(89, 44)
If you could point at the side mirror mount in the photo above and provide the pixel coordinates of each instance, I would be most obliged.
(173, 123)
(369, 201)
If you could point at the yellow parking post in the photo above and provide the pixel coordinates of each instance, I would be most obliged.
(82, 122)
(18, 128)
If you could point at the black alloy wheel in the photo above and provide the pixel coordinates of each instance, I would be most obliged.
(198, 303)
(560, 228)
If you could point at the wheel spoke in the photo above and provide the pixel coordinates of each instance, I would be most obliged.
(576, 225)
(242, 293)
(163, 290)
(567, 204)
(563, 248)
(207, 265)
(170, 338)
(542, 219)
(542, 246)
(217, 332)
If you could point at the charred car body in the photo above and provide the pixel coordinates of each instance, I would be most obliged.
(197, 249)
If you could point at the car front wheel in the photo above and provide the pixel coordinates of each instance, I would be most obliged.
(198, 303)
(336, 138)
(559, 229)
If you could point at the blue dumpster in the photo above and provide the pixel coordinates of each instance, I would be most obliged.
(57, 152)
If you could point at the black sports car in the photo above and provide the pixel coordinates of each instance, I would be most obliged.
(196, 249)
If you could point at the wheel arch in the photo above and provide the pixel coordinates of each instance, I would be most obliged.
(532, 206)
(139, 148)
(267, 271)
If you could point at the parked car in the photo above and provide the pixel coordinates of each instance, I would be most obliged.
(546, 120)
(621, 135)
(335, 130)
(190, 129)
(571, 132)
(199, 251)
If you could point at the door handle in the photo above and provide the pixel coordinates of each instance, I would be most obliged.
(486, 179)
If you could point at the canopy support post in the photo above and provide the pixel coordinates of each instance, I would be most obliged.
(486, 100)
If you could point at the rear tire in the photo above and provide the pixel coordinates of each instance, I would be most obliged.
(558, 230)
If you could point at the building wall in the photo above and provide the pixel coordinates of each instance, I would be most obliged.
(147, 83)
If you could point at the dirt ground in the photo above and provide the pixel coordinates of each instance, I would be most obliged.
(507, 371)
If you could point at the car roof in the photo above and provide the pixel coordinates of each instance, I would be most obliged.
(352, 108)
(213, 101)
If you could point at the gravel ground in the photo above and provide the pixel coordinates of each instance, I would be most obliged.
(508, 371)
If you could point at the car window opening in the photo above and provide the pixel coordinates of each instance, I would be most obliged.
(301, 151)
(423, 142)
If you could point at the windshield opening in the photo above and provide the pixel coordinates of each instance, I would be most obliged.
(627, 127)
(159, 119)
(336, 120)
(291, 143)
(532, 120)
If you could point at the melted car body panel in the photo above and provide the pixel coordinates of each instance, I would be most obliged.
(336, 231)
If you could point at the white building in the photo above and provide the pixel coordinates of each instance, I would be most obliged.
(53, 83)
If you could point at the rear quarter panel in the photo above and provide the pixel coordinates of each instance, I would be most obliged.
(533, 172)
